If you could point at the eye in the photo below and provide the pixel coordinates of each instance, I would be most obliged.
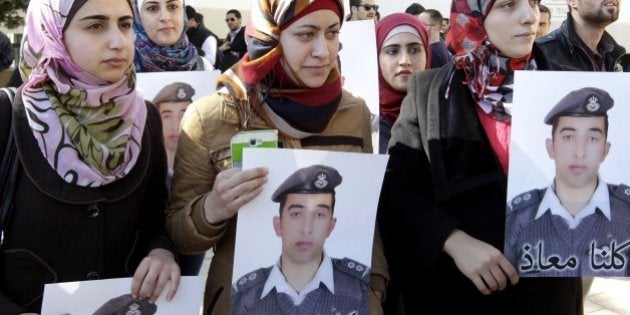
(173, 6)
(294, 215)
(126, 25)
(305, 35)
(95, 26)
(534, 3)
(415, 49)
(567, 137)
(332, 34)
(506, 4)
(594, 139)
(152, 8)
(392, 51)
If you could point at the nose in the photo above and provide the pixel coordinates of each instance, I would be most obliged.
(530, 15)
(165, 15)
(116, 39)
(307, 224)
(580, 149)
(405, 58)
(320, 47)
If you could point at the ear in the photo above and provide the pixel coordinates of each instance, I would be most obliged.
(572, 4)
(332, 225)
(606, 150)
(549, 146)
(277, 226)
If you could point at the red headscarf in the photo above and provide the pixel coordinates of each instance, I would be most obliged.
(390, 98)
(268, 19)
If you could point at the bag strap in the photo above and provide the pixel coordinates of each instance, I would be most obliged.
(8, 168)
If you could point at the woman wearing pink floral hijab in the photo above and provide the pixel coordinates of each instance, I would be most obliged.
(442, 208)
(90, 191)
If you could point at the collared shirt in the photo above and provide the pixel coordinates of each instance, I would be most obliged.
(232, 34)
(277, 280)
(600, 200)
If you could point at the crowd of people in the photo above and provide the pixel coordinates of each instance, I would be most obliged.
(106, 184)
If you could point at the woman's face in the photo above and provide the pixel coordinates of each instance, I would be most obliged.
(163, 20)
(401, 56)
(511, 26)
(100, 38)
(310, 46)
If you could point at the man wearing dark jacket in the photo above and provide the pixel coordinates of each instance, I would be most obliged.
(234, 47)
(199, 35)
(6, 52)
(581, 43)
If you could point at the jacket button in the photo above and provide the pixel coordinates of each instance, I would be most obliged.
(93, 275)
(93, 211)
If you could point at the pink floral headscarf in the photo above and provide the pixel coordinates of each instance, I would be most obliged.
(88, 130)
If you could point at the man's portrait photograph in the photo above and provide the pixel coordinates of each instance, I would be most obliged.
(568, 205)
(304, 245)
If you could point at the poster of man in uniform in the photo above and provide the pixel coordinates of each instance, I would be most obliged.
(304, 245)
(568, 207)
(112, 296)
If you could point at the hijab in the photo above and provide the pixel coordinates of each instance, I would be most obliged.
(89, 130)
(390, 98)
(489, 73)
(271, 87)
(151, 57)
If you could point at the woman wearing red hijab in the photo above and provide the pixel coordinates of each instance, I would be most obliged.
(403, 49)
(287, 81)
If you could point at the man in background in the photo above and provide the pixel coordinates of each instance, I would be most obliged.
(582, 43)
(362, 10)
(545, 21)
(234, 47)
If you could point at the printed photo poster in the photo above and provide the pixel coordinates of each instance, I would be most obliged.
(201, 83)
(315, 244)
(112, 296)
(568, 205)
(359, 67)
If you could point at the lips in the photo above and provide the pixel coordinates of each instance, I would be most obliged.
(304, 245)
(403, 72)
(577, 169)
(526, 34)
(116, 62)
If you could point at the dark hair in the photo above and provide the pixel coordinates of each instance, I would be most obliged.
(190, 12)
(435, 15)
(283, 201)
(355, 3)
(236, 13)
(554, 125)
(198, 17)
(415, 9)
(544, 9)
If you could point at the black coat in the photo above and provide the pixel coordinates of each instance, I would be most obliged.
(238, 48)
(443, 175)
(564, 47)
(60, 232)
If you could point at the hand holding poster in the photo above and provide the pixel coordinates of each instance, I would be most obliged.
(305, 243)
(570, 214)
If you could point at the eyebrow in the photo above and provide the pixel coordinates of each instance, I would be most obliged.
(105, 18)
(300, 206)
(317, 27)
(595, 129)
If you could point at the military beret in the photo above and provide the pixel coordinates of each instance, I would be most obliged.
(585, 102)
(174, 92)
(126, 304)
(309, 180)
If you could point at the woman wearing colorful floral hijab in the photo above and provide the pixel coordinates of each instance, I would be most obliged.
(161, 40)
(89, 193)
(442, 210)
(288, 81)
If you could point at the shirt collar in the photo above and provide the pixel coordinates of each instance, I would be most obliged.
(600, 200)
(277, 280)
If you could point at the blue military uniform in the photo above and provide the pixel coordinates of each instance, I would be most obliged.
(351, 288)
(544, 239)
(533, 240)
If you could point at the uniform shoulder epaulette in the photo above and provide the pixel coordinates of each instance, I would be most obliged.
(352, 268)
(256, 277)
(621, 191)
(525, 199)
